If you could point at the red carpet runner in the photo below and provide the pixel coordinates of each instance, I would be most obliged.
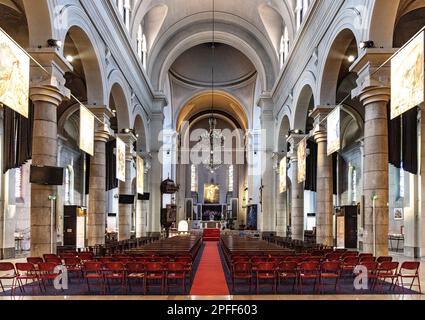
(209, 278)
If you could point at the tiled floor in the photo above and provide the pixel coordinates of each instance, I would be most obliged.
(397, 257)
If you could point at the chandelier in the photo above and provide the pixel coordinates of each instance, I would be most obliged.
(213, 139)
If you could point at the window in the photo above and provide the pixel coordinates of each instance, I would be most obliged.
(354, 186)
(69, 185)
(284, 47)
(401, 187)
(193, 179)
(18, 183)
(141, 46)
(231, 169)
(126, 13)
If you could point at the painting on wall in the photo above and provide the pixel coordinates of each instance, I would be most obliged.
(140, 175)
(120, 153)
(407, 77)
(211, 193)
(302, 160)
(14, 76)
(398, 214)
(282, 175)
(86, 131)
(334, 131)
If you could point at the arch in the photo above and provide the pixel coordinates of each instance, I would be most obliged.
(283, 128)
(331, 66)
(230, 30)
(141, 134)
(302, 104)
(80, 32)
(119, 97)
(152, 23)
(383, 15)
(40, 17)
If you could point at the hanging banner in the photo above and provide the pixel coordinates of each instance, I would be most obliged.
(140, 175)
(14, 76)
(86, 130)
(302, 160)
(407, 77)
(334, 131)
(282, 175)
(120, 153)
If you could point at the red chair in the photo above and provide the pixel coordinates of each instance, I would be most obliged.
(162, 260)
(49, 256)
(175, 271)
(294, 259)
(94, 271)
(348, 265)
(27, 272)
(155, 272)
(309, 271)
(361, 255)
(68, 255)
(331, 270)
(115, 271)
(136, 272)
(243, 271)
(266, 271)
(105, 260)
(288, 271)
(188, 265)
(409, 270)
(372, 270)
(73, 266)
(7, 272)
(387, 270)
(334, 256)
(384, 259)
(55, 260)
(367, 259)
(47, 272)
(86, 256)
(35, 261)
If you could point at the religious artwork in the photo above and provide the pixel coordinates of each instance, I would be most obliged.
(282, 175)
(212, 212)
(120, 153)
(334, 131)
(211, 193)
(407, 77)
(302, 160)
(140, 175)
(398, 214)
(14, 76)
(251, 217)
(86, 131)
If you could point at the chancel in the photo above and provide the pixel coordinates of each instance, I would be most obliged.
(220, 148)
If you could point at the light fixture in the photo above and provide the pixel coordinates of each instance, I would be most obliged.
(69, 58)
(366, 44)
(351, 58)
(126, 130)
(54, 43)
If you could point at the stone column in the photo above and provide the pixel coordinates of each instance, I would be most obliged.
(96, 224)
(324, 204)
(374, 92)
(297, 190)
(125, 210)
(421, 220)
(156, 126)
(267, 217)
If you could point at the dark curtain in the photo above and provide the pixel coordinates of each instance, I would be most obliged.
(111, 165)
(334, 172)
(88, 158)
(17, 138)
(394, 141)
(311, 167)
(410, 141)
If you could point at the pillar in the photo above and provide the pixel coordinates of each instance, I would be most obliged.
(421, 220)
(156, 126)
(96, 220)
(297, 190)
(125, 188)
(267, 217)
(324, 203)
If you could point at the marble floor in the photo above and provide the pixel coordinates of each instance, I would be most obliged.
(397, 257)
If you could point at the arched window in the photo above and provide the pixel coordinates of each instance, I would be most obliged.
(301, 10)
(284, 47)
(139, 42)
(231, 178)
(193, 179)
(144, 52)
(126, 13)
(69, 185)
(401, 187)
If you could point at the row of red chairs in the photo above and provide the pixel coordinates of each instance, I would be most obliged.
(103, 273)
(322, 272)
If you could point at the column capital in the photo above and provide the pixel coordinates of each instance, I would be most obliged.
(320, 136)
(55, 66)
(319, 115)
(48, 93)
(265, 102)
(129, 140)
(159, 102)
(103, 114)
(372, 73)
(374, 94)
(294, 140)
